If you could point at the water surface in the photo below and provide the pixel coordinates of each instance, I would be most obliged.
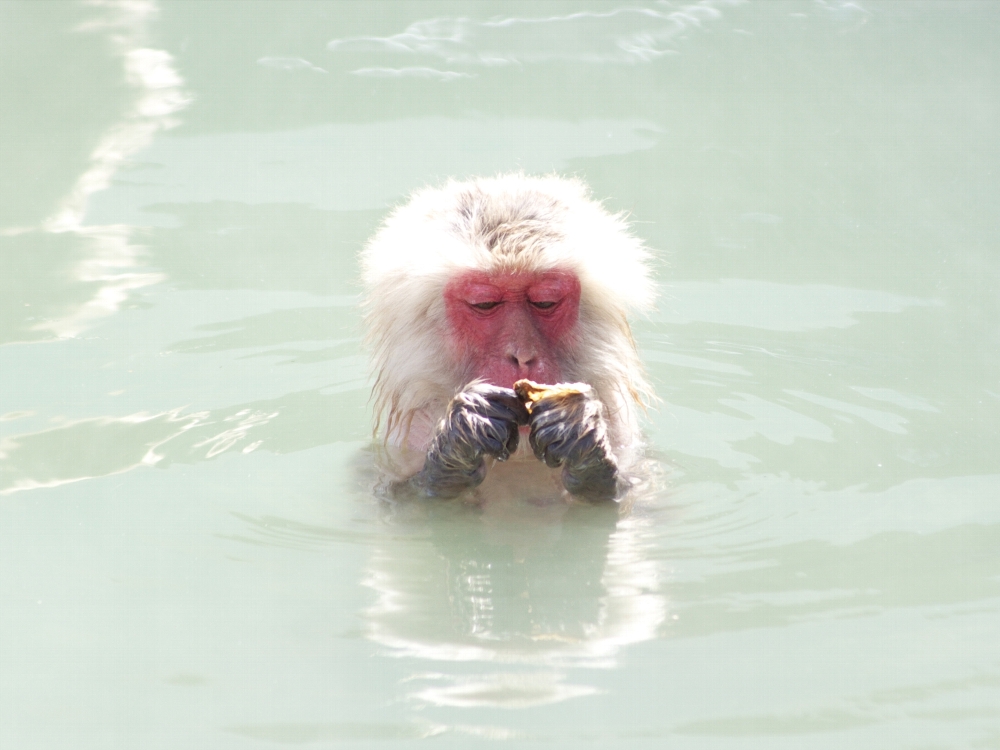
(190, 554)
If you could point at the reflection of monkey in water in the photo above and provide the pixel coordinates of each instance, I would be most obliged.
(479, 285)
(515, 593)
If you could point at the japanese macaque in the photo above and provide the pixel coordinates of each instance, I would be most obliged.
(497, 316)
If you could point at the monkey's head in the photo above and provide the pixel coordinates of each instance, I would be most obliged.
(503, 279)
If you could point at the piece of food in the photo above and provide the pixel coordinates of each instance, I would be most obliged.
(531, 392)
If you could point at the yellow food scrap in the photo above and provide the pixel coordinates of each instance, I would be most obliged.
(530, 392)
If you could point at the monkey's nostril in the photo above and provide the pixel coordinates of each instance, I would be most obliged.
(522, 362)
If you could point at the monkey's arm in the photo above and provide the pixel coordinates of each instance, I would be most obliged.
(568, 429)
(482, 420)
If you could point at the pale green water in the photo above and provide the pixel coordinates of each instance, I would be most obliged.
(189, 557)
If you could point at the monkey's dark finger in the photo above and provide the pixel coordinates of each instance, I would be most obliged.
(507, 405)
(598, 482)
(548, 444)
(489, 437)
(440, 480)
(493, 436)
(554, 443)
(462, 444)
(513, 438)
(509, 432)
(581, 444)
(491, 393)
(549, 418)
(495, 402)
(453, 464)
(537, 448)
(488, 390)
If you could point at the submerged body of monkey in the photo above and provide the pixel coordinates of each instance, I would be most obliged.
(476, 290)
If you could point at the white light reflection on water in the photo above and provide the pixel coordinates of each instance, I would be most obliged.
(110, 257)
(104, 446)
(289, 63)
(434, 73)
(622, 35)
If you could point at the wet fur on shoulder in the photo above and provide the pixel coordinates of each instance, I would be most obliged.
(510, 222)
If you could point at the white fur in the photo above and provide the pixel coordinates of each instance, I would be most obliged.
(510, 222)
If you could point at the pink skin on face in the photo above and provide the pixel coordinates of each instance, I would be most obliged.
(513, 325)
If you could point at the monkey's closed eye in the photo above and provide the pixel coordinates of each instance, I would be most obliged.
(543, 305)
(484, 305)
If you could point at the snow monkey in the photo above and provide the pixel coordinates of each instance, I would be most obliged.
(479, 291)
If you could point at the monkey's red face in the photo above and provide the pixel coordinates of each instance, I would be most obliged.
(505, 327)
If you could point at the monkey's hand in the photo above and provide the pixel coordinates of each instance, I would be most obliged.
(482, 420)
(568, 430)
